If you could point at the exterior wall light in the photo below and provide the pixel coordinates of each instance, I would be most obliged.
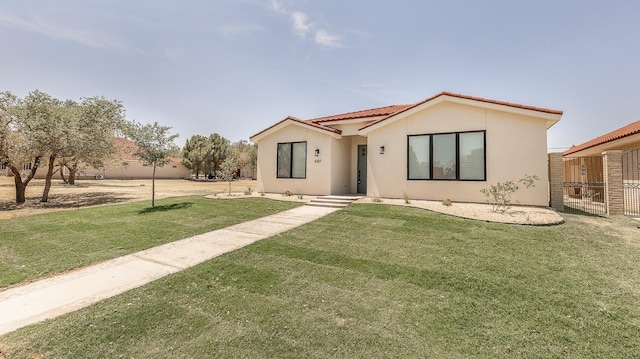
(382, 150)
(317, 152)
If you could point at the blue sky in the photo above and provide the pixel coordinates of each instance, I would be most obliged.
(236, 66)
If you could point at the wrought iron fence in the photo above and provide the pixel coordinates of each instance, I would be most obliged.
(584, 186)
(631, 182)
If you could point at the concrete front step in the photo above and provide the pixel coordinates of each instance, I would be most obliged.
(333, 201)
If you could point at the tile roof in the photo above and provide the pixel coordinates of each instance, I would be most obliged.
(126, 148)
(473, 98)
(295, 119)
(392, 110)
(628, 130)
(374, 112)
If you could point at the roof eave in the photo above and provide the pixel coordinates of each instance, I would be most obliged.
(552, 117)
(337, 134)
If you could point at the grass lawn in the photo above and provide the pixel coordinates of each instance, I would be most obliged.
(40, 245)
(374, 281)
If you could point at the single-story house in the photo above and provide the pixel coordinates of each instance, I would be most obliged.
(449, 146)
(583, 164)
(626, 138)
(126, 166)
(123, 165)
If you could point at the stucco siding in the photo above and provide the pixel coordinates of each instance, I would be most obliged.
(318, 169)
(136, 170)
(340, 165)
(515, 146)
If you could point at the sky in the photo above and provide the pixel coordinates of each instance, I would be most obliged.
(234, 67)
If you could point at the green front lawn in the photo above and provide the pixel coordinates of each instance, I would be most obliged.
(40, 245)
(375, 281)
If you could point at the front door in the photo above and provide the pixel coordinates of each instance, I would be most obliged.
(362, 169)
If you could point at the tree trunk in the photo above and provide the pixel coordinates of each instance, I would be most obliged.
(47, 180)
(153, 187)
(21, 185)
(62, 166)
(72, 175)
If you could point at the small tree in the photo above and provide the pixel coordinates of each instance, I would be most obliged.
(195, 152)
(154, 146)
(499, 195)
(217, 152)
(228, 170)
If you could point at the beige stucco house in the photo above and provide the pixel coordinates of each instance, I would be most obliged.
(449, 146)
(123, 165)
(126, 166)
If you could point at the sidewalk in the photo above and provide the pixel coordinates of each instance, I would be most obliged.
(49, 298)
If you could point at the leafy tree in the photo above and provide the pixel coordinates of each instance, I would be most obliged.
(246, 154)
(154, 146)
(97, 122)
(218, 153)
(61, 127)
(228, 170)
(27, 125)
(194, 154)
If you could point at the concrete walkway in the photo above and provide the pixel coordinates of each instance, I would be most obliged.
(51, 297)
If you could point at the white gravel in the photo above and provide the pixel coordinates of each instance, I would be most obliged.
(536, 216)
(516, 214)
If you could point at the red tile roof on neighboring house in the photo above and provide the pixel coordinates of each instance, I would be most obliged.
(374, 112)
(628, 130)
(473, 98)
(126, 148)
(295, 119)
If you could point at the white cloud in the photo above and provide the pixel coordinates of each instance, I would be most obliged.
(326, 39)
(278, 7)
(61, 32)
(302, 26)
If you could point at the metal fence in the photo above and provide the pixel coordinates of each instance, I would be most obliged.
(584, 186)
(631, 182)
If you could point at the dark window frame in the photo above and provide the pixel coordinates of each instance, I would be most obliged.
(290, 144)
(457, 157)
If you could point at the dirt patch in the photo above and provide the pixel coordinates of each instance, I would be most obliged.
(87, 193)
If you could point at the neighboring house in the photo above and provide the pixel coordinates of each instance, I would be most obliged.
(123, 166)
(583, 164)
(449, 146)
(625, 139)
(127, 166)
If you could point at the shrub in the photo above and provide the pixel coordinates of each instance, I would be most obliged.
(287, 193)
(499, 195)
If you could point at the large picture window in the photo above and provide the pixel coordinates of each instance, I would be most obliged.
(292, 160)
(447, 156)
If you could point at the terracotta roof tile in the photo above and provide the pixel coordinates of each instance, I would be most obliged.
(481, 99)
(126, 148)
(374, 112)
(295, 119)
(628, 130)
